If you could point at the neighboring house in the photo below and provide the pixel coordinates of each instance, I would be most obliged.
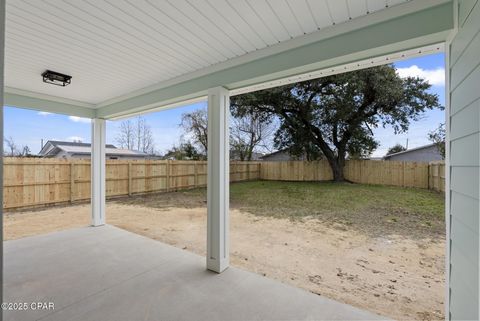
(281, 156)
(70, 150)
(427, 153)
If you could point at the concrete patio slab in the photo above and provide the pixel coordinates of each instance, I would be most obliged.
(106, 273)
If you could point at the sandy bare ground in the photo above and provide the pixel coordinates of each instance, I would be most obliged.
(396, 276)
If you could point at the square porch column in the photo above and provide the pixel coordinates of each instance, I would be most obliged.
(2, 56)
(98, 172)
(218, 180)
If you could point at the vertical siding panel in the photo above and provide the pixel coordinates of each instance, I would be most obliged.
(464, 165)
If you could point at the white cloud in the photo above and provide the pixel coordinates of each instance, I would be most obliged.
(435, 77)
(75, 139)
(44, 113)
(79, 119)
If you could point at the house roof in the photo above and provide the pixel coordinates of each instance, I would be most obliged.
(274, 153)
(57, 142)
(85, 149)
(410, 150)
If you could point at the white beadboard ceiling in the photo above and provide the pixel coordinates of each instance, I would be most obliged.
(114, 47)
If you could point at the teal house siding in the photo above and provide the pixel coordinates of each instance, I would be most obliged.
(464, 163)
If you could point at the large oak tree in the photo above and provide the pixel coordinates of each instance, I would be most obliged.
(334, 116)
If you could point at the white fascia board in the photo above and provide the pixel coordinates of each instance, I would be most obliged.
(412, 25)
(30, 100)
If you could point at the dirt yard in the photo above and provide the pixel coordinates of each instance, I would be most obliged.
(396, 270)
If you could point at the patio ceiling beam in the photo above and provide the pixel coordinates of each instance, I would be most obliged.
(23, 99)
(413, 25)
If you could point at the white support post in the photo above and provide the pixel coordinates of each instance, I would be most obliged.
(2, 83)
(98, 172)
(218, 180)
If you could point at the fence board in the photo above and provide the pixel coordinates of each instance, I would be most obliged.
(32, 182)
(394, 173)
(436, 176)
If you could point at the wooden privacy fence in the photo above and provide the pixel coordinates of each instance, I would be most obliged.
(30, 182)
(394, 173)
(436, 174)
(296, 171)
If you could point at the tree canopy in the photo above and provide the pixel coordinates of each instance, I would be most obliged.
(396, 149)
(334, 116)
(248, 133)
(437, 136)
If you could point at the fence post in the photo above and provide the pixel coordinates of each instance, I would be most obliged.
(72, 181)
(167, 176)
(403, 164)
(428, 175)
(195, 173)
(129, 178)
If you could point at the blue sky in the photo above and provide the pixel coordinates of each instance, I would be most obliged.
(28, 127)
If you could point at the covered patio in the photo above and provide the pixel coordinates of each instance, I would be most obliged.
(106, 273)
(127, 58)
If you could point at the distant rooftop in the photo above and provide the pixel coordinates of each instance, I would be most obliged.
(52, 147)
(58, 142)
(410, 150)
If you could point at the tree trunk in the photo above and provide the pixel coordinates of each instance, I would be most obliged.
(337, 165)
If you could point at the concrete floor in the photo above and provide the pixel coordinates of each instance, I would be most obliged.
(106, 273)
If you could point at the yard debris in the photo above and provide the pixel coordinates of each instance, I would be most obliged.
(317, 279)
(349, 277)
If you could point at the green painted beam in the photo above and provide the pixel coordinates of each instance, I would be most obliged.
(47, 105)
(403, 32)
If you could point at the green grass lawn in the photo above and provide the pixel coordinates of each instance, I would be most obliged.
(372, 209)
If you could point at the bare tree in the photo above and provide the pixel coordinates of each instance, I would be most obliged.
(136, 135)
(249, 133)
(26, 151)
(194, 125)
(11, 148)
(126, 135)
(144, 136)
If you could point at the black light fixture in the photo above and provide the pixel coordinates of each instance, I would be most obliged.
(56, 78)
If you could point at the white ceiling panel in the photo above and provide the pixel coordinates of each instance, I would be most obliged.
(303, 15)
(375, 5)
(269, 17)
(357, 7)
(255, 23)
(321, 13)
(115, 47)
(339, 10)
(287, 17)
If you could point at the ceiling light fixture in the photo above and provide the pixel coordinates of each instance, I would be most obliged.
(56, 78)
